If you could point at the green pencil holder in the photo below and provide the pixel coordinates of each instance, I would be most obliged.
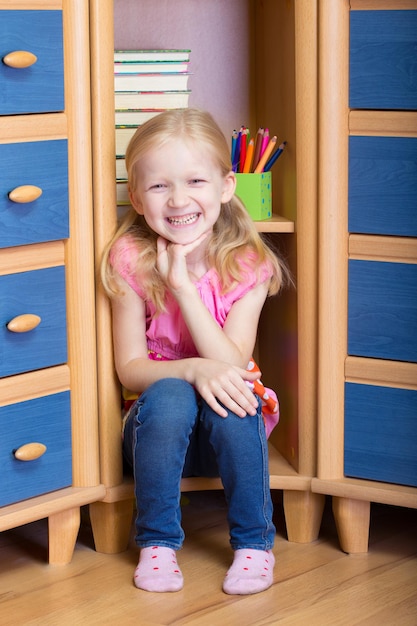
(255, 191)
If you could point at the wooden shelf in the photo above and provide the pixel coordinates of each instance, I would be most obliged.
(276, 224)
(370, 371)
(372, 491)
(48, 504)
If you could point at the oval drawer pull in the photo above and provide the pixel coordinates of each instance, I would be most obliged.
(24, 323)
(20, 59)
(30, 451)
(25, 193)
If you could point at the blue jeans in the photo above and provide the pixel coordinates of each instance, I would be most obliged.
(171, 432)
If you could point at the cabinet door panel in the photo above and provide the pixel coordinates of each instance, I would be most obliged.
(381, 433)
(44, 420)
(382, 310)
(383, 62)
(38, 88)
(41, 293)
(43, 164)
(383, 185)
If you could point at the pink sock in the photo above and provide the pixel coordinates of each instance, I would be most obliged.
(252, 571)
(158, 570)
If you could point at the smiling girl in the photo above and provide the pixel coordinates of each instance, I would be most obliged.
(188, 274)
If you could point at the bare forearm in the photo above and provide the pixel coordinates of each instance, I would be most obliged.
(138, 374)
(221, 385)
(209, 338)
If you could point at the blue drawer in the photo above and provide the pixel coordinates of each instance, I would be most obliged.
(45, 420)
(40, 87)
(383, 185)
(382, 310)
(41, 293)
(43, 164)
(383, 60)
(381, 433)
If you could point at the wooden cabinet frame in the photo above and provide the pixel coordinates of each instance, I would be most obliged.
(62, 507)
(351, 497)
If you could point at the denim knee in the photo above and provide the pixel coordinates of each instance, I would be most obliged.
(168, 407)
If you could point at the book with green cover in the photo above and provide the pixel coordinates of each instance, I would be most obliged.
(152, 55)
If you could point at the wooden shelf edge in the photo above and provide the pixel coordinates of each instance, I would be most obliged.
(383, 248)
(357, 489)
(36, 384)
(276, 224)
(34, 257)
(369, 371)
(33, 4)
(283, 476)
(383, 123)
(34, 127)
(40, 507)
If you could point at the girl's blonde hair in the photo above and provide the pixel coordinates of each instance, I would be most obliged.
(234, 235)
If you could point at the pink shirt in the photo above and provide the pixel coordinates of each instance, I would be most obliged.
(167, 334)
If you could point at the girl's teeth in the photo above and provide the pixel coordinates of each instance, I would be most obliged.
(185, 220)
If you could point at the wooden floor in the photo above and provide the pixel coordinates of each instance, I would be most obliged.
(315, 584)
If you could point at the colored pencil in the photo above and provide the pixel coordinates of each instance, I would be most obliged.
(275, 156)
(249, 157)
(258, 145)
(233, 148)
(265, 142)
(243, 146)
(268, 150)
(236, 156)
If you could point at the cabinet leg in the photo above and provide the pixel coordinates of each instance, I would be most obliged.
(111, 523)
(303, 513)
(63, 530)
(352, 522)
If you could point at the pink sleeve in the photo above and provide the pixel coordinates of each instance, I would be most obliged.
(251, 280)
(123, 258)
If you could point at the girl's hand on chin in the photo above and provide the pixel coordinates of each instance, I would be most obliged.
(172, 261)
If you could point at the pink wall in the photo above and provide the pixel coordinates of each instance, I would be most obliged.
(217, 32)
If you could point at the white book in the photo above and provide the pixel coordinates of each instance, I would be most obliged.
(151, 82)
(123, 136)
(151, 100)
(152, 55)
(121, 171)
(147, 67)
(122, 195)
(134, 117)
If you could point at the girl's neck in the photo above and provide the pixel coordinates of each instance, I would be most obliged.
(197, 263)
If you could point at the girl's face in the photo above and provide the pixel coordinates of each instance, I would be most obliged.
(180, 189)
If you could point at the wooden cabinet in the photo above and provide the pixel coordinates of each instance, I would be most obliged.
(367, 417)
(48, 398)
(286, 96)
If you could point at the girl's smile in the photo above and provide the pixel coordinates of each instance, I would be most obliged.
(184, 220)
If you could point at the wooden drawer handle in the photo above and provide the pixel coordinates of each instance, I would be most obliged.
(25, 193)
(30, 451)
(24, 323)
(20, 59)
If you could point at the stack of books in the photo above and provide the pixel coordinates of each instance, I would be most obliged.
(146, 82)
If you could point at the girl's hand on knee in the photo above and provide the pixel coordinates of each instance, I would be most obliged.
(219, 382)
